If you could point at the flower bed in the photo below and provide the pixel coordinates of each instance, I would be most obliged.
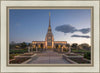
(20, 58)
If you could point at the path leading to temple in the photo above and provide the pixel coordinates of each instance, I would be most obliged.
(49, 57)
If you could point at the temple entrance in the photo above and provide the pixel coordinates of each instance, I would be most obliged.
(49, 47)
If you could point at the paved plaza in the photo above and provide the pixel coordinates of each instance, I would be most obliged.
(48, 57)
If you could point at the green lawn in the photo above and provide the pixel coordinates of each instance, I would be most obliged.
(18, 51)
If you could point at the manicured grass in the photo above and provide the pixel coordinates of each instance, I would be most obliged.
(14, 51)
(79, 50)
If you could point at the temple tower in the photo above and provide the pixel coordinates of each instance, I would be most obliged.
(49, 39)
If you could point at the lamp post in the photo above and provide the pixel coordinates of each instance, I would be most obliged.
(36, 47)
(29, 49)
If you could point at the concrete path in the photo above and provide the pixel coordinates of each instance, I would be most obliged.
(49, 57)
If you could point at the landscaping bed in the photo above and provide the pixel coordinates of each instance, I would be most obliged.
(75, 58)
(72, 54)
(27, 54)
(11, 56)
(19, 60)
(80, 60)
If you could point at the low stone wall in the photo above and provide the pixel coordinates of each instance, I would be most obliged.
(69, 60)
(32, 57)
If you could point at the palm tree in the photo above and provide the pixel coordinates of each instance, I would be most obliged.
(69, 48)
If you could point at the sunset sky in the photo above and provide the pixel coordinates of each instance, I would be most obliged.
(71, 25)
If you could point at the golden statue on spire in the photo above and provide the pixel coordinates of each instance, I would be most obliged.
(49, 13)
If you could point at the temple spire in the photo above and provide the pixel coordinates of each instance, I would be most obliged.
(49, 19)
(49, 28)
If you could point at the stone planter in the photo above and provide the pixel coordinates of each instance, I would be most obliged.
(22, 58)
(32, 57)
(74, 59)
(67, 58)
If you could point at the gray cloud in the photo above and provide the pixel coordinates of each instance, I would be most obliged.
(66, 28)
(70, 29)
(85, 30)
(82, 36)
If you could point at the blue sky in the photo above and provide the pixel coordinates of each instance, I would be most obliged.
(27, 25)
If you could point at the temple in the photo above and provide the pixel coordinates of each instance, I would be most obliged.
(49, 42)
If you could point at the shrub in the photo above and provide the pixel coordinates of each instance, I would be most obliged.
(87, 55)
(14, 51)
(65, 50)
(11, 56)
(34, 49)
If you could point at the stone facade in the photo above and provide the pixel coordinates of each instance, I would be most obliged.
(49, 40)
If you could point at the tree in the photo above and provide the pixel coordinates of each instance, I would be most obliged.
(36, 45)
(12, 45)
(56, 46)
(85, 46)
(68, 45)
(42, 46)
(61, 45)
(69, 49)
(29, 44)
(23, 45)
(74, 46)
(87, 55)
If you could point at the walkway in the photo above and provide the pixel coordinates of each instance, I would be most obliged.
(49, 57)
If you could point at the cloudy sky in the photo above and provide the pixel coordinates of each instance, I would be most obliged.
(71, 25)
